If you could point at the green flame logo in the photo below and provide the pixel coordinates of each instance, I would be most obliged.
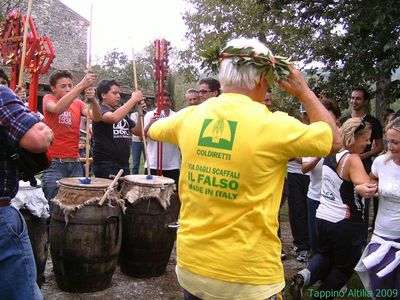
(218, 133)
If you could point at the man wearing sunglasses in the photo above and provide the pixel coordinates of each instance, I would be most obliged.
(208, 88)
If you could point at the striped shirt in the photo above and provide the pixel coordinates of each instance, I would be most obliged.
(15, 121)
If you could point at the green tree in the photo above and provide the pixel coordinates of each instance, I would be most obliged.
(359, 44)
(211, 20)
(355, 42)
(118, 66)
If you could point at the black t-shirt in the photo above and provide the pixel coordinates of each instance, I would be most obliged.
(376, 134)
(112, 141)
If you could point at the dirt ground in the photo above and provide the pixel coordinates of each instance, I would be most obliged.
(165, 287)
(122, 286)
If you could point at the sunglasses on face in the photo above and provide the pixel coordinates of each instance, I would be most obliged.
(204, 91)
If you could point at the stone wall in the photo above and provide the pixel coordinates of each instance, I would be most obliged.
(67, 29)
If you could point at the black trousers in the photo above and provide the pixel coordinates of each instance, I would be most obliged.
(339, 247)
(297, 201)
(173, 174)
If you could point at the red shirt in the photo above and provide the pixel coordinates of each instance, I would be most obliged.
(65, 127)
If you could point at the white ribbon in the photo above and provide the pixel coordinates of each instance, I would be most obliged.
(376, 257)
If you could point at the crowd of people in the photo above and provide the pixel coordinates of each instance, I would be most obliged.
(235, 162)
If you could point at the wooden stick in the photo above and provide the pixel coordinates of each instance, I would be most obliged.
(111, 187)
(87, 165)
(24, 40)
(87, 156)
(90, 39)
(140, 113)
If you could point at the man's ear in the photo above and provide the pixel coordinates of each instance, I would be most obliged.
(263, 81)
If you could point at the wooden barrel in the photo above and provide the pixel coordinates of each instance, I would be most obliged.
(148, 233)
(39, 237)
(84, 249)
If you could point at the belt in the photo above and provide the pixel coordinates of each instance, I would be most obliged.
(65, 160)
(4, 203)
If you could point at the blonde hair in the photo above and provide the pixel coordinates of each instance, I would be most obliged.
(349, 128)
(395, 125)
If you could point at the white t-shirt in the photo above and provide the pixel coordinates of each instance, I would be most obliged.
(294, 167)
(134, 117)
(387, 222)
(171, 156)
(314, 189)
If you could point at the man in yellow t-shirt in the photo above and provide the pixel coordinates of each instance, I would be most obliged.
(234, 156)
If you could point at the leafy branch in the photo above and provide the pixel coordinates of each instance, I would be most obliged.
(274, 67)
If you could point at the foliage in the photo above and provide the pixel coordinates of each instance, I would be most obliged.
(355, 42)
(273, 67)
(116, 65)
(359, 44)
(211, 20)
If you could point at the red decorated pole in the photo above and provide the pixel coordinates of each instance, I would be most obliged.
(161, 76)
(24, 42)
(38, 55)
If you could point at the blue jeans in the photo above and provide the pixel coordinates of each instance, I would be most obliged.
(137, 150)
(312, 207)
(103, 169)
(55, 172)
(17, 265)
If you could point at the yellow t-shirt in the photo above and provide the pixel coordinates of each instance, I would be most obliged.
(234, 156)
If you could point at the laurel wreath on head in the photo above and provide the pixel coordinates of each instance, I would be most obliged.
(275, 67)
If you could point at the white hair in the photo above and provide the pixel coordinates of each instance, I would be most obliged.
(243, 76)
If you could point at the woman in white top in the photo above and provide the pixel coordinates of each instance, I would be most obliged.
(313, 165)
(381, 258)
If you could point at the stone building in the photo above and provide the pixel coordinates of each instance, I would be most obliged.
(67, 30)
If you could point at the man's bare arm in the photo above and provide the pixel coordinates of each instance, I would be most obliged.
(37, 139)
(297, 86)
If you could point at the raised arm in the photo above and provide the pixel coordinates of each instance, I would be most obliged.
(121, 112)
(95, 112)
(137, 130)
(297, 86)
(65, 101)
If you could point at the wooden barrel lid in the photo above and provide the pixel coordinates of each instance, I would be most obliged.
(156, 181)
(96, 183)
